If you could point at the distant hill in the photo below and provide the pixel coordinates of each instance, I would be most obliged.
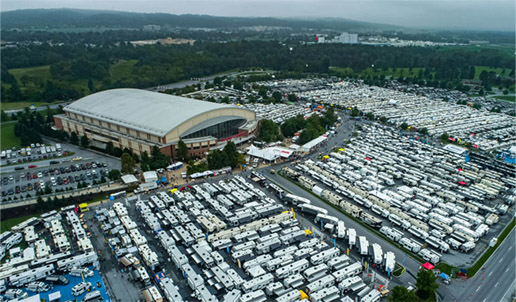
(60, 18)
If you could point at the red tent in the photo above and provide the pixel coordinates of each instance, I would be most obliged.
(428, 266)
(367, 158)
(461, 183)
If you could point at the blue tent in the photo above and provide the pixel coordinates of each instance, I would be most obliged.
(444, 276)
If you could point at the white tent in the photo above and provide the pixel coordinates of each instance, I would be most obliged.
(315, 142)
(128, 179)
(266, 154)
(150, 176)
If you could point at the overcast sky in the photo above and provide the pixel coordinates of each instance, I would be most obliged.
(451, 14)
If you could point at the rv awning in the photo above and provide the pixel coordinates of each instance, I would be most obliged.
(54, 296)
(428, 266)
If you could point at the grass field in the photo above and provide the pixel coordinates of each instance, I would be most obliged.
(509, 98)
(121, 69)
(7, 224)
(479, 69)
(38, 74)
(7, 139)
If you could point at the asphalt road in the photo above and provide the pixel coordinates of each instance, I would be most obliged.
(51, 106)
(496, 282)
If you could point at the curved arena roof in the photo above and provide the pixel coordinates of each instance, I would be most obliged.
(146, 111)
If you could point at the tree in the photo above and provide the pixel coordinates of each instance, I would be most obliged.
(109, 148)
(85, 142)
(91, 85)
(423, 131)
(114, 174)
(158, 159)
(128, 163)
(401, 293)
(74, 139)
(292, 98)
(426, 283)
(40, 202)
(404, 126)
(269, 131)
(355, 112)
(277, 96)
(383, 119)
(182, 151)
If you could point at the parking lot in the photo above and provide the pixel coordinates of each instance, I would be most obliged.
(375, 174)
(220, 235)
(59, 173)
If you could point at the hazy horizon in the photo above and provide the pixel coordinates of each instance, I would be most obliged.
(436, 14)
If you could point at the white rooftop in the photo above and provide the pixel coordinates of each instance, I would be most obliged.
(146, 111)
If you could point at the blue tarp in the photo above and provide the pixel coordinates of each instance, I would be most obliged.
(444, 276)
(66, 290)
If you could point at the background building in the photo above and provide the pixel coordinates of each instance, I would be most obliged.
(346, 38)
(139, 119)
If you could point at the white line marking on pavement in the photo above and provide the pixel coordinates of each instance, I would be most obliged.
(478, 289)
(490, 274)
(510, 248)
(507, 270)
(484, 300)
(500, 260)
(496, 284)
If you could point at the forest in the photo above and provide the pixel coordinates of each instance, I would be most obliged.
(158, 64)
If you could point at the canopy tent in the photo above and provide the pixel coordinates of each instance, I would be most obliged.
(129, 179)
(428, 266)
(269, 154)
(444, 276)
(315, 142)
(455, 149)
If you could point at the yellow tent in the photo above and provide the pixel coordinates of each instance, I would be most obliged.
(173, 191)
(341, 149)
(239, 104)
(308, 232)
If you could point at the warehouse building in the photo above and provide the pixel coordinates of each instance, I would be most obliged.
(138, 119)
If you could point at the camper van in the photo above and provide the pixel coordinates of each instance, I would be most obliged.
(92, 296)
(81, 288)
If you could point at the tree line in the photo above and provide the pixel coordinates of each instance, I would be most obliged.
(159, 64)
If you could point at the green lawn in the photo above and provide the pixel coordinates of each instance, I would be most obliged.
(510, 98)
(122, 69)
(37, 75)
(7, 139)
(479, 69)
(7, 224)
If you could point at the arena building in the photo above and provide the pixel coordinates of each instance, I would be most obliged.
(138, 120)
